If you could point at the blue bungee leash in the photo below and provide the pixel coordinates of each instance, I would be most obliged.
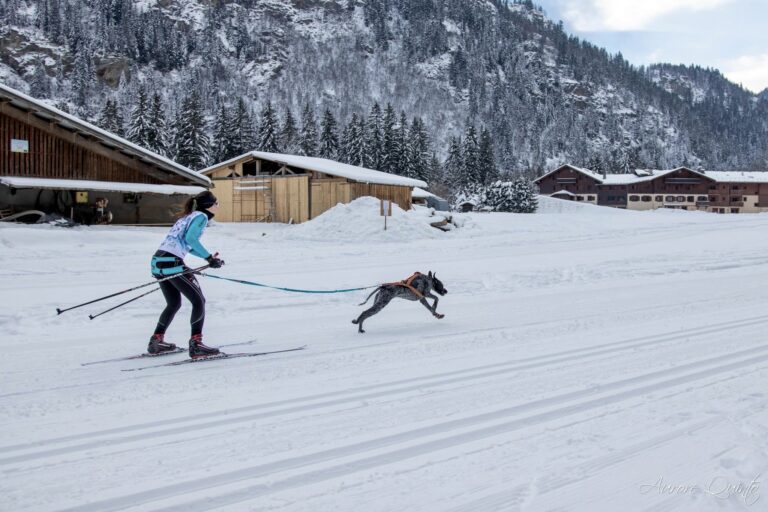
(296, 290)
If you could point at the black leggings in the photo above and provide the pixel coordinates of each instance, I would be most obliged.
(173, 289)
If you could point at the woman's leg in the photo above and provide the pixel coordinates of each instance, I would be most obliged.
(173, 303)
(189, 287)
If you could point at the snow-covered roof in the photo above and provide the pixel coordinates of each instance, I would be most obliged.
(107, 139)
(643, 175)
(105, 186)
(325, 166)
(586, 172)
(738, 177)
(563, 192)
(420, 193)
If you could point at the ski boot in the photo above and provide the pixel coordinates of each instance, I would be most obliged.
(198, 349)
(158, 346)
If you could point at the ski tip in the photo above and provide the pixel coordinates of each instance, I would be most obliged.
(58, 311)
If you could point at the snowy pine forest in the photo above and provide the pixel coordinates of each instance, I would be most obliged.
(454, 92)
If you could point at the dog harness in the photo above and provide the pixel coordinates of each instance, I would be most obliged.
(408, 284)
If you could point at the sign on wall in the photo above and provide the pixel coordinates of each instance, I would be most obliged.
(19, 146)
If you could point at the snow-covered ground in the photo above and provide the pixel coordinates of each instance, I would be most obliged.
(589, 360)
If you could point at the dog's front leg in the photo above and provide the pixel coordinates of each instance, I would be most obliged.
(434, 306)
(431, 308)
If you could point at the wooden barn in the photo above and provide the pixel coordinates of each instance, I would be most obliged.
(56, 163)
(272, 187)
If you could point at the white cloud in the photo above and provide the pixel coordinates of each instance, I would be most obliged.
(624, 15)
(751, 71)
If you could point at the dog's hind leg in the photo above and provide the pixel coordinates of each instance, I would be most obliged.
(433, 308)
(381, 301)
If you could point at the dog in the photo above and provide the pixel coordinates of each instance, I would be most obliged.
(417, 287)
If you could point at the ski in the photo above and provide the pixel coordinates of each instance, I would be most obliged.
(216, 357)
(179, 350)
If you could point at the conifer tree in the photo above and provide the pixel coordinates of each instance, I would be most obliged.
(39, 84)
(471, 156)
(435, 173)
(356, 143)
(453, 169)
(373, 138)
(268, 130)
(244, 137)
(289, 135)
(158, 131)
(487, 170)
(389, 161)
(190, 142)
(139, 130)
(419, 150)
(403, 147)
(110, 118)
(329, 140)
(223, 147)
(308, 136)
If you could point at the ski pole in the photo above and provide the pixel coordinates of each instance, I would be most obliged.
(123, 303)
(190, 271)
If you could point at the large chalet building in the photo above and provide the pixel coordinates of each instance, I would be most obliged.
(681, 188)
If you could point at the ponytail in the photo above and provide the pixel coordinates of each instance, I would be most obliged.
(190, 205)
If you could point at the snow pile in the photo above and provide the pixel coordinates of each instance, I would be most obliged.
(361, 220)
(551, 205)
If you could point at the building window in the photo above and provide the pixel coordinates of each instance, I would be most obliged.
(690, 199)
(702, 198)
(646, 199)
(634, 198)
(658, 199)
(734, 210)
(590, 198)
(670, 199)
(680, 199)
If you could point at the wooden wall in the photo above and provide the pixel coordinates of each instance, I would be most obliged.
(328, 193)
(291, 197)
(395, 193)
(56, 153)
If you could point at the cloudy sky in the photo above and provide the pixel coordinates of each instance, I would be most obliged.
(729, 35)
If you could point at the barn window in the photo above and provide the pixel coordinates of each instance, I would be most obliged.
(658, 199)
(249, 168)
(680, 199)
(690, 199)
(634, 198)
(670, 199)
(646, 199)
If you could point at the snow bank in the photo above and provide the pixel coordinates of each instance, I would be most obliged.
(551, 205)
(360, 220)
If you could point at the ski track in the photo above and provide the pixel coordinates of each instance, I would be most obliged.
(418, 440)
(230, 417)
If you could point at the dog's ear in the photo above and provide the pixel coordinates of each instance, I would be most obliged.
(430, 273)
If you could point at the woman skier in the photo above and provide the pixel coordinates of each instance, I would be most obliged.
(182, 239)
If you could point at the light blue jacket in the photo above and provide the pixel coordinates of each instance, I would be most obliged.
(182, 239)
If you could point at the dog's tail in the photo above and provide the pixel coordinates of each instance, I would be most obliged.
(371, 295)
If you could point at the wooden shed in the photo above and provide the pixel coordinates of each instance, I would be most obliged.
(54, 162)
(273, 187)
